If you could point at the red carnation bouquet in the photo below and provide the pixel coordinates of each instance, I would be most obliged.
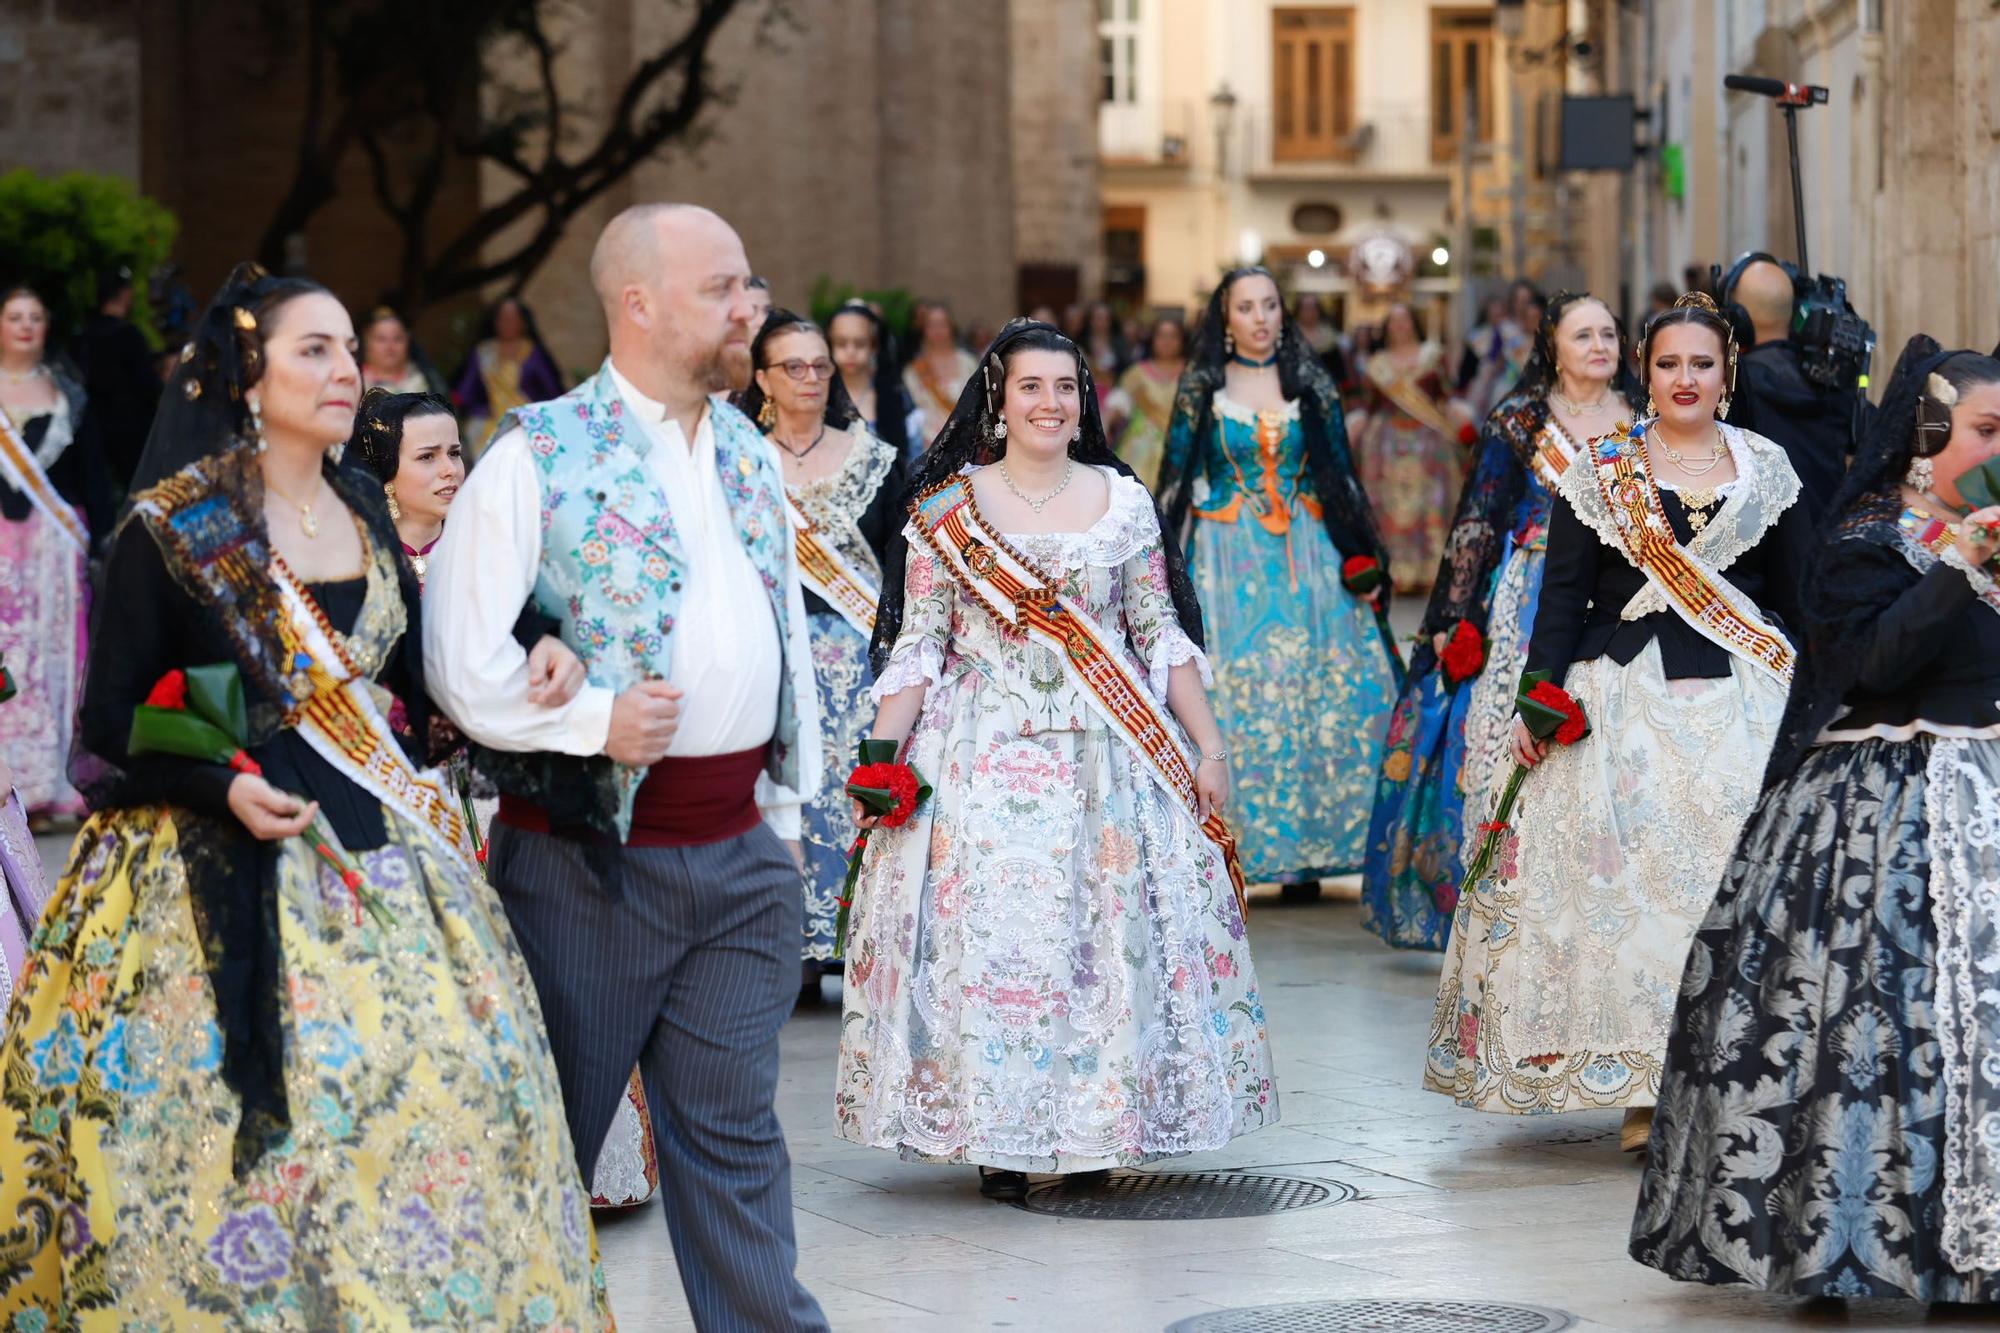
(1464, 654)
(199, 714)
(1550, 714)
(1361, 574)
(884, 787)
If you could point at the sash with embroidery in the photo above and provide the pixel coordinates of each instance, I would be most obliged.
(339, 719)
(20, 470)
(1704, 597)
(1400, 388)
(825, 571)
(996, 577)
(1554, 452)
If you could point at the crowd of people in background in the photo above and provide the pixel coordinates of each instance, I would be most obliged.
(1120, 587)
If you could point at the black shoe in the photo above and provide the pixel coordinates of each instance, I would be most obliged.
(1306, 891)
(1087, 1180)
(1006, 1186)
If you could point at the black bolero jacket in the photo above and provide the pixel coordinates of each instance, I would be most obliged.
(1931, 654)
(1585, 583)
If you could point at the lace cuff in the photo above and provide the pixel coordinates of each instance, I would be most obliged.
(921, 663)
(1173, 648)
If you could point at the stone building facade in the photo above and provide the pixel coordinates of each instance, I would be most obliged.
(943, 146)
(1901, 165)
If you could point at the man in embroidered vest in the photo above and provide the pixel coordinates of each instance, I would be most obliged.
(658, 908)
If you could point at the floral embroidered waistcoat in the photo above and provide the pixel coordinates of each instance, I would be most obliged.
(612, 561)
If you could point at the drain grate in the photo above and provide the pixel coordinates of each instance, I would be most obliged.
(1378, 1317)
(1173, 1196)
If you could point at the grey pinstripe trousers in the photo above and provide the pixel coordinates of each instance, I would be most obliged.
(691, 975)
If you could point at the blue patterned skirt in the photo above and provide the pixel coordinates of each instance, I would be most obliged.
(1800, 1129)
(1409, 882)
(1303, 690)
(840, 671)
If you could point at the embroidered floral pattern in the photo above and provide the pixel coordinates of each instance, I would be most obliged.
(1303, 685)
(1046, 969)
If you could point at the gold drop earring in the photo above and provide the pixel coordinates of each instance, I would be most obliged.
(395, 510)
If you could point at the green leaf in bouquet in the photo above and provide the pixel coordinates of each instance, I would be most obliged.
(874, 750)
(215, 693)
(1542, 721)
(1981, 485)
(171, 731)
(878, 799)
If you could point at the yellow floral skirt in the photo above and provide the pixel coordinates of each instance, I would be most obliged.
(427, 1179)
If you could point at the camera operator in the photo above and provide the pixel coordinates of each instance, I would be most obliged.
(1815, 426)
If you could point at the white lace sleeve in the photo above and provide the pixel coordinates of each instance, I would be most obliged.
(1172, 648)
(910, 663)
(1150, 619)
(918, 656)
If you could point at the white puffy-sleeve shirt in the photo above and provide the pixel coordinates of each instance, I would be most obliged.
(726, 663)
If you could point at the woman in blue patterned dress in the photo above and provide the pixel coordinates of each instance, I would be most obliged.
(846, 483)
(1826, 1112)
(1257, 471)
(1447, 738)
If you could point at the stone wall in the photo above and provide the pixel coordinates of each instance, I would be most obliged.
(865, 141)
(69, 86)
(1058, 217)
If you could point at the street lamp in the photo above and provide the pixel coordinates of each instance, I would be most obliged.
(1222, 115)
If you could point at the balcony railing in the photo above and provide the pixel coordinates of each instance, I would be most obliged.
(1158, 133)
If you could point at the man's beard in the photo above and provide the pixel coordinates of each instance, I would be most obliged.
(726, 369)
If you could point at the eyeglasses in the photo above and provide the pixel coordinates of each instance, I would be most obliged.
(821, 369)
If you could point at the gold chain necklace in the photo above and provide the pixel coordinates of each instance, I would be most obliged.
(308, 521)
(1576, 409)
(1068, 471)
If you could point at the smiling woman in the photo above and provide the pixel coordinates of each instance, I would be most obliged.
(381, 1081)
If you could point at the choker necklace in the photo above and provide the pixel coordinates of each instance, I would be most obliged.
(1698, 466)
(308, 521)
(1068, 471)
(1242, 360)
(800, 454)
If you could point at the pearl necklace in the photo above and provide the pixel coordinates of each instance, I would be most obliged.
(1068, 471)
(29, 375)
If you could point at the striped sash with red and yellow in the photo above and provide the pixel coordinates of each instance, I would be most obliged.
(996, 577)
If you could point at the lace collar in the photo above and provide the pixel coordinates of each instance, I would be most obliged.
(1225, 406)
(1128, 525)
(1765, 487)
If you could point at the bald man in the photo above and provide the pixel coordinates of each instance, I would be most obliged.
(640, 849)
(1773, 397)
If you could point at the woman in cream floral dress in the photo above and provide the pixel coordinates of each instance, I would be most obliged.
(1047, 968)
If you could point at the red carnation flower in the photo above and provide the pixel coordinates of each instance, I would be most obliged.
(169, 691)
(897, 779)
(1464, 653)
(1554, 696)
(1467, 433)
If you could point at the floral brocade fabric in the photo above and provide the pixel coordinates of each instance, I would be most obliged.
(1557, 992)
(427, 1180)
(835, 505)
(1046, 968)
(1800, 1141)
(1303, 681)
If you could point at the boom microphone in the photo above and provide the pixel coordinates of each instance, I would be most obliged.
(1752, 83)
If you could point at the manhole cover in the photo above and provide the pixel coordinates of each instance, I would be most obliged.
(1378, 1317)
(1162, 1196)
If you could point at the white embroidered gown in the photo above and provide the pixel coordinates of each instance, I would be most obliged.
(1047, 969)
